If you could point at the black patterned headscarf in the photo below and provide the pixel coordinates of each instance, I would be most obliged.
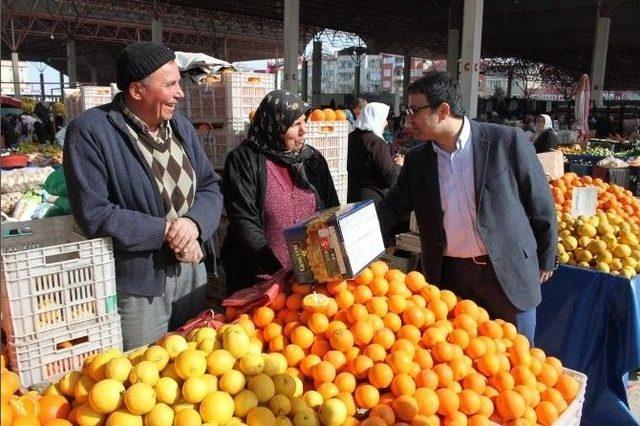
(276, 113)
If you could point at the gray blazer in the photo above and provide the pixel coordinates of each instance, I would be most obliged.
(516, 212)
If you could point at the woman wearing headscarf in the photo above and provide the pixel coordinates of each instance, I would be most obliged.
(271, 181)
(371, 169)
(544, 139)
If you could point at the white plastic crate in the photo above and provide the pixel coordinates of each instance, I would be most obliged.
(331, 138)
(53, 278)
(85, 97)
(63, 351)
(217, 143)
(340, 181)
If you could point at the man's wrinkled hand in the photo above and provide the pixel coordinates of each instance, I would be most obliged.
(545, 276)
(191, 254)
(181, 234)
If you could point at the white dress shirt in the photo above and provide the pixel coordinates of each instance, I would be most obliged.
(458, 197)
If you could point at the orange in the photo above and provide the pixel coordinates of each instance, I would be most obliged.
(294, 354)
(271, 331)
(567, 386)
(317, 115)
(324, 371)
(57, 422)
(375, 352)
(418, 301)
(460, 368)
(470, 402)
(400, 362)
(370, 421)
(529, 393)
(548, 375)
(478, 420)
(364, 277)
(538, 353)
(475, 382)
(449, 298)
(344, 299)
(488, 364)
(346, 382)
(335, 287)
(445, 374)
(263, 316)
(468, 307)
(523, 375)
(442, 352)
(384, 337)
(302, 337)
(403, 384)
(333, 326)
(318, 323)
(427, 400)
(375, 321)
(430, 292)
(10, 384)
(329, 114)
(341, 340)
(362, 294)
(29, 420)
(383, 412)
(409, 332)
(360, 366)
(308, 363)
(486, 406)
(392, 321)
(337, 358)
(427, 379)
(377, 305)
(380, 375)
(490, 329)
(397, 303)
(278, 343)
(349, 401)
(459, 337)
(555, 363)
(367, 396)
(351, 354)
(394, 275)
(414, 315)
(362, 332)
(555, 397)
(546, 413)
(279, 302)
(379, 268)
(449, 402)
(320, 347)
(405, 407)
(467, 323)
(357, 312)
(403, 345)
(510, 405)
(6, 415)
(25, 405)
(433, 335)
(292, 316)
(502, 381)
(294, 302)
(328, 390)
(53, 406)
(423, 358)
(415, 281)
(439, 308)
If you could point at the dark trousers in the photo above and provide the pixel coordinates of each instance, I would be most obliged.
(479, 283)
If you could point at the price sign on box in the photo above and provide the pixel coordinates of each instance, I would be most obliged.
(584, 201)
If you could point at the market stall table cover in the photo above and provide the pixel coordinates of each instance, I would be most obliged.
(591, 321)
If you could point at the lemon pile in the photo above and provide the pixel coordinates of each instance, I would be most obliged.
(208, 378)
(605, 242)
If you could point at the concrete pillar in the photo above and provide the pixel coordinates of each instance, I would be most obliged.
(406, 78)
(94, 75)
(156, 30)
(304, 89)
(71, 64)
(356, 83)
(291, 34)
(453, 53)
(599, 61)
(470, 67)
(15, 68)
(396, 98)
(316, 73)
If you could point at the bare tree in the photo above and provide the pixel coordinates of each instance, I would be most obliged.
(524, 73)
(565, 82)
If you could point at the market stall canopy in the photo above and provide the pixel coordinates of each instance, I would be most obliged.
(558, 33)
(8, 101)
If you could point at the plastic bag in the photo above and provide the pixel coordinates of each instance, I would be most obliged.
(261, 294)
(55, 183)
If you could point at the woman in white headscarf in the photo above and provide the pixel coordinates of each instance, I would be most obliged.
(544, 139)
(371, 168)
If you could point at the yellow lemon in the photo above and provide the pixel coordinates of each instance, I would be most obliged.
(217, 407)
(158, 355)
(236, 341)
(187, 417)
(123, 418)
(144, 371)
(204, 333)
(211, 381)
(307, 417)
(140, 398)
(68, 382)
(280, 405)
(274, 363)
(118, 369)
(262, 386)
(219, 362)
(284, 384)
(313, 398)
(174, 344)
(82, 388)
(232, 382)
(298, 404)
(260, 416)
(167, 390)
(106, 396)
(194, 389)
(191, 363)
(333, 412)
(283, 421)
(251, 364)
(85, 416)
(244, 401)
(160, 415)
(170, 371)
(95, 369)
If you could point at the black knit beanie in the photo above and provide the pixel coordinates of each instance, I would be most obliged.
(138, 60)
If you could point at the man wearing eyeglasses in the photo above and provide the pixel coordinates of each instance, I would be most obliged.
(484, 210)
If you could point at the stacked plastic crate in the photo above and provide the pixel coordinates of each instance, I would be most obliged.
(59, 302)
(85, 97)
(331, 139)
(224, 102)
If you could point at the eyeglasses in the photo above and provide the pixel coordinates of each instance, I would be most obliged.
(415, 110)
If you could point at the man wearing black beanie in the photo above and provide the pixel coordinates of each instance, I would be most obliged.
(137, 173)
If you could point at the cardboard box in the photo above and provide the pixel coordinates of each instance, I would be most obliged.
(552, 164)
(336, 243)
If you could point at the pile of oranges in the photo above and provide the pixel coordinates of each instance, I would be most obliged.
(30, 409)
(405, 352)
(327, 114)
(611, 198)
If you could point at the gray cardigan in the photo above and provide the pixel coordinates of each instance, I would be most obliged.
(113, 193)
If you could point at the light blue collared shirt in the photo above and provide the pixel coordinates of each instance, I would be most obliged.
(458, 197)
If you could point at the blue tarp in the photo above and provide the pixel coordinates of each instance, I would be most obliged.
(591, 321)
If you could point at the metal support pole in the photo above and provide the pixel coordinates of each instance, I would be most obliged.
(471, 43)
(42, 94)
(316, 73)
(599, 62)
(305, 80)
(61, 85)
(156, 30)
(291, 33)
(71, 64)
(15, 67)
(453, 53)
(356, 91)
(406, 78)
